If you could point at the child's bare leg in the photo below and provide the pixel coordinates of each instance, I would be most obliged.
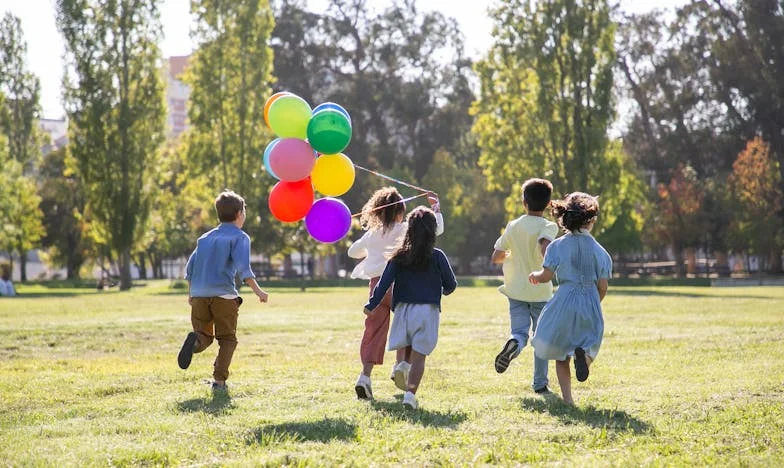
(367, 368)
(416, 372)
(564, 380)
(404, 354)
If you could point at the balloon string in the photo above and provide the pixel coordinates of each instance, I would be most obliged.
(391, 179)
(390, 204)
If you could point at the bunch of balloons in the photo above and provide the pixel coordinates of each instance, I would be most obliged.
(307, 158)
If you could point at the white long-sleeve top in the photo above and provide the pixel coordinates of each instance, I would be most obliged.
(376, 246)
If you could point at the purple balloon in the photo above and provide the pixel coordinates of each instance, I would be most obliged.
(292, 159)
(328, 220)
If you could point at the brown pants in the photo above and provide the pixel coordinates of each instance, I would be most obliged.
(215, 317)
(374, 339)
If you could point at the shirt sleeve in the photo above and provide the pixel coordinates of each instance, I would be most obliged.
(358, 248)
(549, 231)
(605, 265)
(387, 278)
(551, 259)
(240, 253)
(439, 223)
(448, 280)
(189, 265)
(503, 242)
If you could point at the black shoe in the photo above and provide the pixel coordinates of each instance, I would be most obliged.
(580, 364)
(505, 356)
(542, 390)
(186, 352)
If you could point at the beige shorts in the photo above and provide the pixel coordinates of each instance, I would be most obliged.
(415, 325)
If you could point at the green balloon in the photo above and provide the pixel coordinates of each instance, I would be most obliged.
(289, 116)
(329, 131)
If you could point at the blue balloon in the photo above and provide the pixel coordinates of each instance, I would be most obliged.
(332, 105)
(267, 152)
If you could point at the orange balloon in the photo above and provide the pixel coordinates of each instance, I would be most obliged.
(269, 103)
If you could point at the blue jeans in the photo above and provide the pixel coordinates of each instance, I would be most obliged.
(523, 317)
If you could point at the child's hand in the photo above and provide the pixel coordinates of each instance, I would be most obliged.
(432, 198)
(532, 278)
(262, 296)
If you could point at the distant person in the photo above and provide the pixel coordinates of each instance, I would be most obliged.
(6, 286)
(571, 324)
(421, 275)
(220, 255)
(521, 250)
(382, 217)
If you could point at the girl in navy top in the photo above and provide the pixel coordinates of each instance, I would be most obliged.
(421, 274)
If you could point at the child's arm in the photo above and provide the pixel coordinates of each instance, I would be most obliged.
(542, 276)
(602, 286)
(498, 257)
(358, 249)
(543, 243)
(387, 278)
(263, 296)
(448, 280)
(435, 205)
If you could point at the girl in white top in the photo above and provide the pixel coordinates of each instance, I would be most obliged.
(382, 217)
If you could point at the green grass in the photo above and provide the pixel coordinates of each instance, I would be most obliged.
(686, 376)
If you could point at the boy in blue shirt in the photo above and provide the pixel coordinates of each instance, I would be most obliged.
(220, 255)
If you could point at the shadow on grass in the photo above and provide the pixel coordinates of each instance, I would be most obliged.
(419, 416)
(326, 430)
(217, 404)
(614, 420)
(625, 291)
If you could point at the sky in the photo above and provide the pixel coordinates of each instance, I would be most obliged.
(45, 46)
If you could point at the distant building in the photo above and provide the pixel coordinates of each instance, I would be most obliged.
(57, 129)
(177, 93)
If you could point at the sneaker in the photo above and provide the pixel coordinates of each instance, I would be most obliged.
(410, 401)
(363, 388)
(580, 364)
(186, 352)
(542, 390)
(506, 355)
(400, 375)
(220, 387)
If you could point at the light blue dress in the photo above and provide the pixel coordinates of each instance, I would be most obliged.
(573, 317)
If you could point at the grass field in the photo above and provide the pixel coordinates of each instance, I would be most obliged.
(686, 376)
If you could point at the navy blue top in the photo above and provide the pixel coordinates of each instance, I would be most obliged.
(219, 255)
(415, 286)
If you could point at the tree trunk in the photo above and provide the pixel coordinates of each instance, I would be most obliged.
(22, 266)
(125, 270)
(142, 267)
(722, 264)
(680, 267)
(691, 261)
(775, 261)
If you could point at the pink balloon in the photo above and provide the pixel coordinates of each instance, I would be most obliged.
(292, 159)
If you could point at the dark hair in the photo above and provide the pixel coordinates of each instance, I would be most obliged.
(575, 211)
(537, 193)
(416, 249)
(228, 205)
(373, 217)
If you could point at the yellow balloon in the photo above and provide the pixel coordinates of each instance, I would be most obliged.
(333, 174)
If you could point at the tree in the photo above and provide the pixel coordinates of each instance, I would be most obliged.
(19, 209)
(546, 100)
(679, 217)
(18, 117)
(63, 204)
(114, 101)
(756, 190)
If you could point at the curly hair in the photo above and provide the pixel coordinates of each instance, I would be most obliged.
(373, 218)
(575, 211)
(416, 249)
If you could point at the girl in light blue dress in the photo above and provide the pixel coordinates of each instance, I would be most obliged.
(571, 323)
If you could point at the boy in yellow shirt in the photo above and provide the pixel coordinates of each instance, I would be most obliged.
(521, 250)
